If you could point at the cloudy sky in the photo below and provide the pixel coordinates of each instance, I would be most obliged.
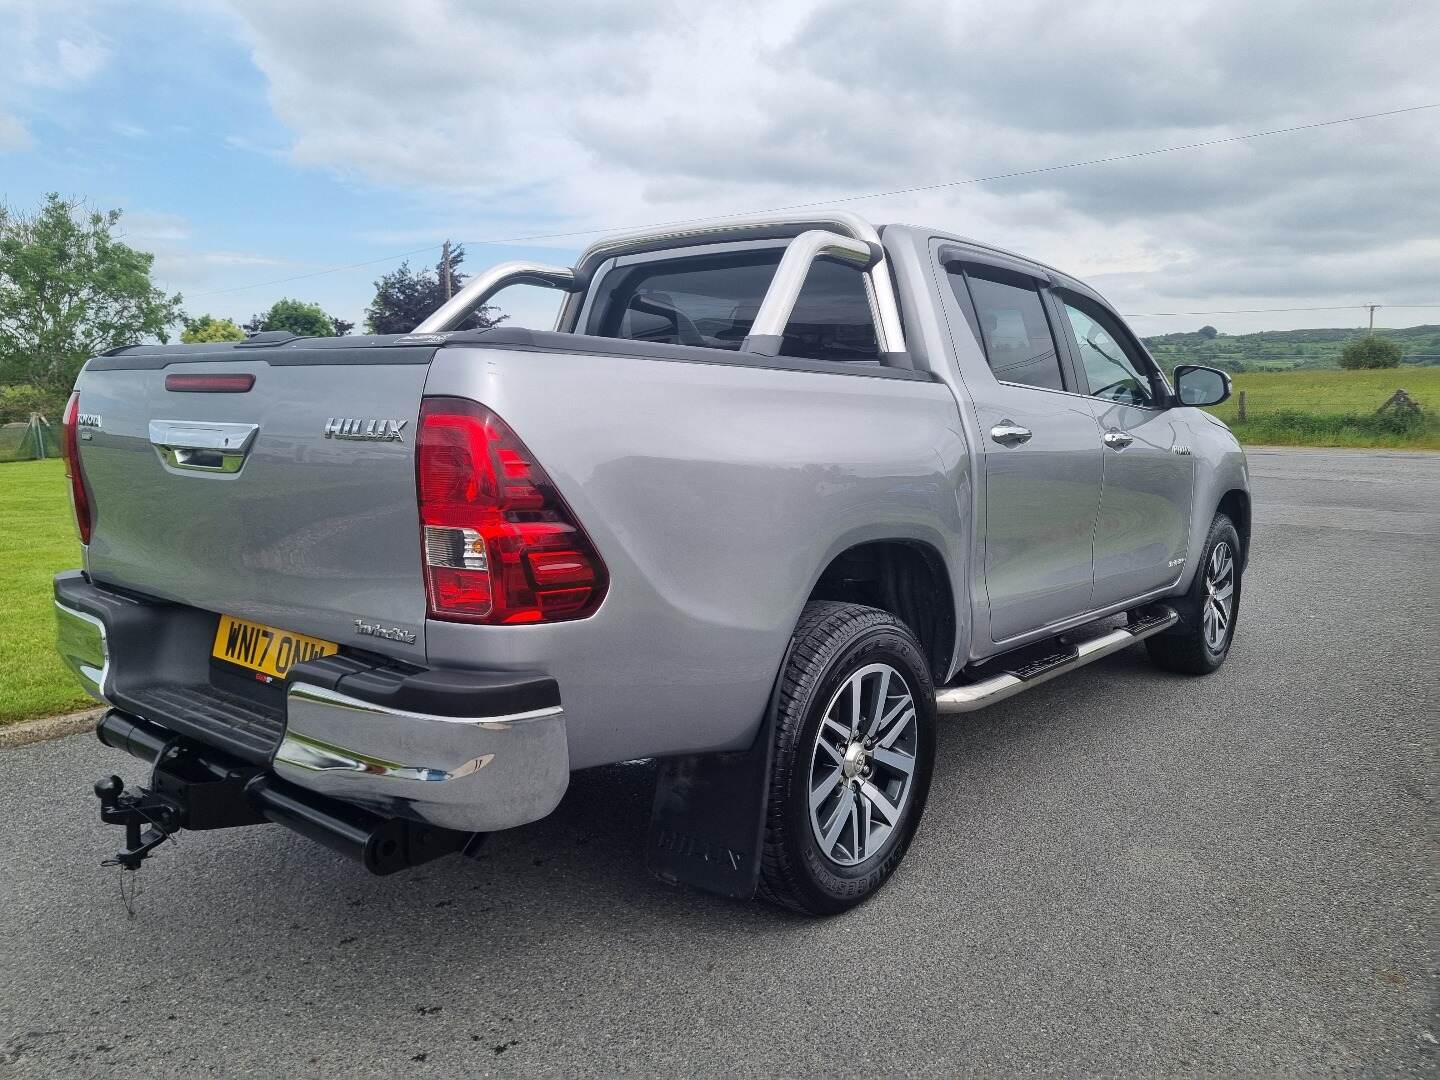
(256, 141)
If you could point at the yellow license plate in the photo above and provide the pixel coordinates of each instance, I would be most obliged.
(265, 649)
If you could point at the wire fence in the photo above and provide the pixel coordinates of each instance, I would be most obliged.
(29, 440)
(1395, 419)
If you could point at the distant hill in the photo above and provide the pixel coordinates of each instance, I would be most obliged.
(1285, 350)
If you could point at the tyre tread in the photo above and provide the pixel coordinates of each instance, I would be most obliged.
(1183, 650)
(825, 628)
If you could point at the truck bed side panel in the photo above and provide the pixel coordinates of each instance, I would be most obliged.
(716, 494)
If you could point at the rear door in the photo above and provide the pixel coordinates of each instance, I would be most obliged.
(290, 503)
(1143, 528)
(1042, 454)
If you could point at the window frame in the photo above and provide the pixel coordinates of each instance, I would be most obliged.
(955, 260)
(622, 263)
(1115, 326)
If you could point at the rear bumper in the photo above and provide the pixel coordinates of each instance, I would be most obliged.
(475, 773)
(81, 639)
(466, 750)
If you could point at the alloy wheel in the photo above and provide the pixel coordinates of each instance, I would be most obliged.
(1219, 596)
(863, 764)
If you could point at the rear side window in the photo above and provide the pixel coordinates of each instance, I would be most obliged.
(1018, 341)
(712, 300)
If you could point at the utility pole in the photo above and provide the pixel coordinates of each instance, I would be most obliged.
(445, 274)
(1371, 306)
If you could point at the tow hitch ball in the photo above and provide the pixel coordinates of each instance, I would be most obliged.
(196, 788)
(135, 810)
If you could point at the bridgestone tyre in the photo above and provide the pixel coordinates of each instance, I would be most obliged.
(850, 780)
(1199, 643)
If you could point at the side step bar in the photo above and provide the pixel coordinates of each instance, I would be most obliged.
(977, 695)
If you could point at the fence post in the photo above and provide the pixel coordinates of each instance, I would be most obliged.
(1241, 414)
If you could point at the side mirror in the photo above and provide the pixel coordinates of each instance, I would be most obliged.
(1201, 386)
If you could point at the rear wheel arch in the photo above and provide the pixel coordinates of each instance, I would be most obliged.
(907, 578)
(1235, 504)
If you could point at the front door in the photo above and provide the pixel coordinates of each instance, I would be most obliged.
(1143, 528)
(1042, 457)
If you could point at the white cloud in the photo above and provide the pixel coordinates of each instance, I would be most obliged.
(49, 44)
(44, 47)
(513, 118)
(76, 59)
(179, 265)
(13, 135)
(153, 226)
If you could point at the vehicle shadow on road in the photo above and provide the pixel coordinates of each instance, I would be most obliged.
(582, 864)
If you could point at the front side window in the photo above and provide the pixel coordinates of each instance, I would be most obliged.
(1113, 367)
(712, 300)
(1018, 341)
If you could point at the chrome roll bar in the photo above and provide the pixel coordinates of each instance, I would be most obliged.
(768, 329)
(833, 234)
(486, 284)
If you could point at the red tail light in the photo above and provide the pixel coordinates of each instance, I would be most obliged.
(501, 546)
(78, 497)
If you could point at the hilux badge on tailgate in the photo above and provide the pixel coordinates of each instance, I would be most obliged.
(365, 430)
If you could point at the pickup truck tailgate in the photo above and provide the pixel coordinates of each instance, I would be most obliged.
(291, 503)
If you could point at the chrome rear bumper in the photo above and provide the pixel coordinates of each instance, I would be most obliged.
(473, 751)
(478, 774)
(81, 641)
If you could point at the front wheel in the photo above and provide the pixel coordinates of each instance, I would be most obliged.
(1201, 640)
(854, 748)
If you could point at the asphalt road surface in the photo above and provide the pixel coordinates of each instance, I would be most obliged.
(1122, 872)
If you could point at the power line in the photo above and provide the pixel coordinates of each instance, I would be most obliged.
(1092, 161)
(971, 180)
(859, 196)
(317, 273)
(1271, 310)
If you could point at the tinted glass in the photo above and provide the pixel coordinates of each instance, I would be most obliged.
(1017, 334)
(712, 300)
(1112, 367)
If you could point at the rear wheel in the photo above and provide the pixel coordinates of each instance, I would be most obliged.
(1200, 642)
(855, 744)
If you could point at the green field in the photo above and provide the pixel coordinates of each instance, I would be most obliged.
(1284, 350)
(36, 540)
(1334, 408)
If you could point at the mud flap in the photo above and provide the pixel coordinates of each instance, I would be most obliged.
(707, 827)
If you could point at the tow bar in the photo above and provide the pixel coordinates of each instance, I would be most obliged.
(195, 787)
(119, 807)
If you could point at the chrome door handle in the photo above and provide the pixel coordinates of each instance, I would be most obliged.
(1009, 433)
(1118, 440)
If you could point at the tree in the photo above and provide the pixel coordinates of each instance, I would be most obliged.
(1370, 352)
(1209, 333)
(298, 317)
(209, 328)
(19, 403)
(404, 297)
(70, 290)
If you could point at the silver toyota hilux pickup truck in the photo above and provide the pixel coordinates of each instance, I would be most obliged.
(772, 496)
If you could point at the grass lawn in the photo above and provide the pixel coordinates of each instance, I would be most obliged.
(37, 539)
(1333, 408)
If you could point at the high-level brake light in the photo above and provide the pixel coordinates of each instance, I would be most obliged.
(216, 383)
